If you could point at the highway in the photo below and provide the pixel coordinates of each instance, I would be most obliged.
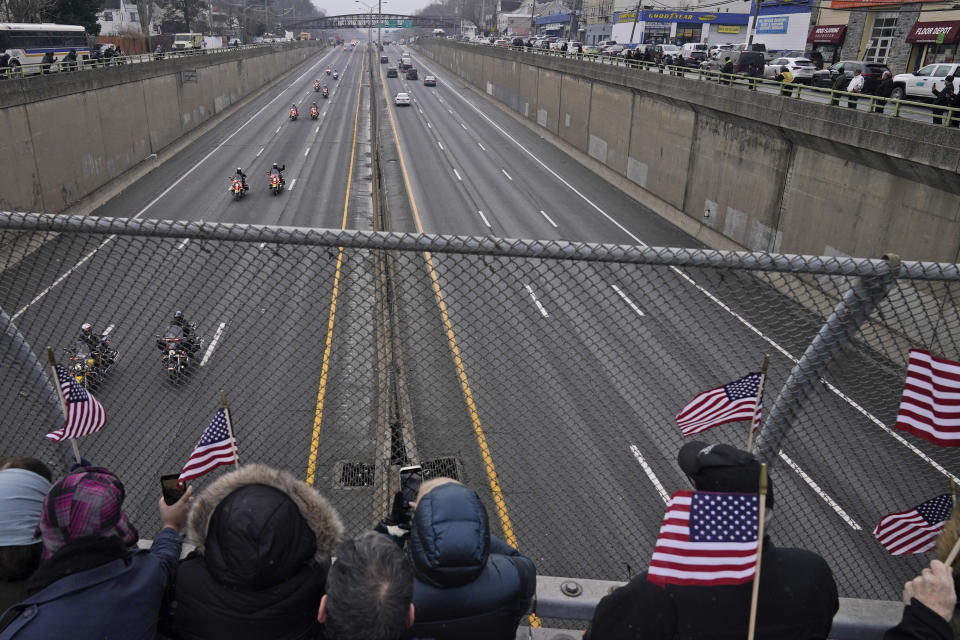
(560, 403)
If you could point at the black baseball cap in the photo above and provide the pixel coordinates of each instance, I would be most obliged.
(722, 468)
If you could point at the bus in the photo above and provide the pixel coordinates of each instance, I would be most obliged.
(27, 43)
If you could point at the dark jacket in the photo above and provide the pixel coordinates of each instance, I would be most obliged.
(840, 84)
(727, 67)
(884, 88)
(84, 602)
(919, 622)
(468, 583)
(798, 599)
(944, 96)
(263, 550)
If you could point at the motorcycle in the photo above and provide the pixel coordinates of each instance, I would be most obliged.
(178, 350)
(236, 188)
(316, 85)
(326, 92)
(89, 367)
(275, 183)
(294, 113)
(335, 76)
(328, 71)
(314, 113)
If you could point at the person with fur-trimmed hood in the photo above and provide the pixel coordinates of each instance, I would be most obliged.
(264, 541)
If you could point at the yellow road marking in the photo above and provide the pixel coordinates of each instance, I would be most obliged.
(328, 347)
(508, 535)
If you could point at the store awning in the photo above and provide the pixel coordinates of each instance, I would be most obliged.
(828, 33)
(935, 32)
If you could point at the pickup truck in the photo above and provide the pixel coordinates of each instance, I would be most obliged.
(919, 85)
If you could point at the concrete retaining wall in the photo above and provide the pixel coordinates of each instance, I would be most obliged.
(736, 168)
(64, 136)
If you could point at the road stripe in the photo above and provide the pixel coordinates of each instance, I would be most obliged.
(328, 346)
(261, 151)
(464, 126)
(485, 221)
(306, 152)
(317, 130)
(183, 243)
(421, 110)
(440, 144)
(650, 474)
(213, 344)
(543, 311)
(544, 214)
(482, 148)
(107, 331)
(278, 130)
(501, 506)
(292, 182)
(627, 300)
(456, 173)
(507, 174)
(820, 492)
(430, 126)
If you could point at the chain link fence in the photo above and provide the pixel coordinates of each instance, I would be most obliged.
(546, 375)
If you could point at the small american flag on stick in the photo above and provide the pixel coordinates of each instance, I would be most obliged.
(707, 538)
(84, 414)
(915, 530)
(729, 403)
(930, 404)
(215, 448)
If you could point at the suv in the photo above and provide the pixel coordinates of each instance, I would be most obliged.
(919, 84)
(871, 73)
(411, 74)
(392, 72)
(384, 60)
(745, 63)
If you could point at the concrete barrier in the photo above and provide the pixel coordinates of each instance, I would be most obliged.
(64, 136)
(737, 168)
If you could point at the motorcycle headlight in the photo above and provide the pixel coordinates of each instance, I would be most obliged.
(90, 362)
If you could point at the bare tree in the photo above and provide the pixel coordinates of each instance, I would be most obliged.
(145, 13)
(26, 10)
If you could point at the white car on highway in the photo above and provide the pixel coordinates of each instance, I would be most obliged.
(402, 98)
(919, 85)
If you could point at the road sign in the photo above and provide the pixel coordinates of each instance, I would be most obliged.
(407, 23)
(392, 23)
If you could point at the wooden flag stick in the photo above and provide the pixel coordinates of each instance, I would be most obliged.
(63, 401)
(756, 576)
(226, 415)
(953, 491)
(756, 409)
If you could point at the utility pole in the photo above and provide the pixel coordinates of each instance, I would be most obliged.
(575, 21)
(636, 14)
(756, 13)
(533, 16)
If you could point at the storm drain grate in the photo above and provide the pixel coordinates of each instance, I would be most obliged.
(443, 468)
(352, 475)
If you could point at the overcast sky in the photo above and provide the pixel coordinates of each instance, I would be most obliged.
(342, 7)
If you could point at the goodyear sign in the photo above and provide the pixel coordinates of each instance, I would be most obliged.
(683, 16)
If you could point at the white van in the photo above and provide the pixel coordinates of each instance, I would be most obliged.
(690, 47)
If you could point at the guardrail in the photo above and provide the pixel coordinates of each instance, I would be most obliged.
(39, 70)
(939, 115)
(545, 374)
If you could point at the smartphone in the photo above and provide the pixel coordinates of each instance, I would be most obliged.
(171, 487)
(410, 480)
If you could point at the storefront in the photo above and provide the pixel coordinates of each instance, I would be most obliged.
(827, 39)
(934, 42)
(557, 24)
(679, 27)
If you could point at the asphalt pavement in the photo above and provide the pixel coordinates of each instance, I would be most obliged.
(554, 384)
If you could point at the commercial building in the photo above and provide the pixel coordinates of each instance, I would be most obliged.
(904, 36)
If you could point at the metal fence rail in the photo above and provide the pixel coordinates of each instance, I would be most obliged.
(913, 109)
(545, 374)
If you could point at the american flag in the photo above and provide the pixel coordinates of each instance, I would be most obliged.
(930, 404)
(84, 414)
(729, 403)
(216, 448)
(916, 530)
(707, 539)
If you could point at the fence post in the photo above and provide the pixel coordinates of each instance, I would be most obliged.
(857, 304)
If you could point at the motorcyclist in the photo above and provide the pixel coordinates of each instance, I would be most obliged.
(314, 109)
(242, 177)
(97, 343)
(189, 343)
(328, 70)
(279, 169)
(335, 76)
(316, 85)
(293, 110)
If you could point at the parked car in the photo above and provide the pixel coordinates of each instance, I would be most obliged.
(689, 48)
(502, 42)
(411, 74)
(813, 56)
(592, 49)
(744, 62)
(392, 72)
(612, 50)
(801, 68)
(429, 81)
(665, 50)
(693, 58)
(402, 99)
(871, 73)
(517, 42)
(919, 84)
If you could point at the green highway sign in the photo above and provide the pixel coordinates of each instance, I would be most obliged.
(407, 23)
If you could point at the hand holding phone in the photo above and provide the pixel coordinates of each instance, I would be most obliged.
(172, 489)
(410, 480)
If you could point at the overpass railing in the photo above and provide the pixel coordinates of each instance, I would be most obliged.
(37, 70)
(546, 374)
(913, 109)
